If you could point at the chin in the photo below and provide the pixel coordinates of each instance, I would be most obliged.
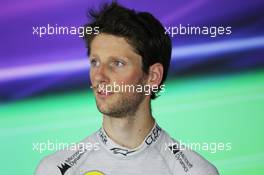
(103, 106)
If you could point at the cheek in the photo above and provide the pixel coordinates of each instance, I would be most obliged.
(91, 75)
(128, 78)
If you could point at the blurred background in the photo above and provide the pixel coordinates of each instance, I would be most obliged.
(214, 93)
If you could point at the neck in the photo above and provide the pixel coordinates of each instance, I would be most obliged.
(130, 131)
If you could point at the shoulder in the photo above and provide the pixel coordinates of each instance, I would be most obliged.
(182, 160)
(65, 160)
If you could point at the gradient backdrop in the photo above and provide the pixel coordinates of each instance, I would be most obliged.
(214, 94)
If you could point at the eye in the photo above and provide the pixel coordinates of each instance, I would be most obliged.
(118, 63)
(94, 63)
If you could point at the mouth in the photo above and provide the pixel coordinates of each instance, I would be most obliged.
(103, 94)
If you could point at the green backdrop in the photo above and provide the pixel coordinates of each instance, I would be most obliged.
(217, 109)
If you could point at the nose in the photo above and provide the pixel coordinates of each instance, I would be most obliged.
(99, 75)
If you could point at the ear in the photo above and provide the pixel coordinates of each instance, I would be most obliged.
(155, 74)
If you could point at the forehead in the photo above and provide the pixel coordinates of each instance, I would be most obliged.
(107, 44)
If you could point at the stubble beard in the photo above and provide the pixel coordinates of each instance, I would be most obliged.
(127, 104)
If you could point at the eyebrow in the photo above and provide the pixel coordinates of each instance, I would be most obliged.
(112, 57)
(93, 55)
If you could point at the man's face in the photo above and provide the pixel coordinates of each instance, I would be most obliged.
(113, 61)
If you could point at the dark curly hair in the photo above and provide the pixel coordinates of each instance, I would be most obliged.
(141, 30)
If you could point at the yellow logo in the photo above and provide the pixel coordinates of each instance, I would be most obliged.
(94, 173)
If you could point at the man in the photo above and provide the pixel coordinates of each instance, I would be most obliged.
(131, 50)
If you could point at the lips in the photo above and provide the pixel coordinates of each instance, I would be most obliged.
(103, 93)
